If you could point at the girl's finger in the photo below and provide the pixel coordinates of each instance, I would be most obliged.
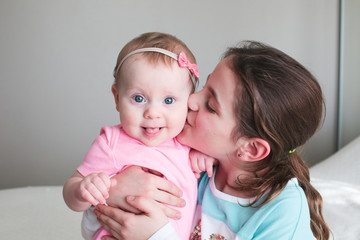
(115, 235)
(110, 215)
(167, 186)
(166, 198)
(108, 238)
(150, 209)
(110, 218)
(147, 206)
(170, 212)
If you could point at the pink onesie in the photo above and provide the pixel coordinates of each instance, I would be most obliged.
(113, 150)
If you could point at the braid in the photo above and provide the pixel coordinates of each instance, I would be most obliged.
(301, 172)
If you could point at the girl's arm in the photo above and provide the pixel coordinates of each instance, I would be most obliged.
(138, 181)
(153, 222)
(156, 192)
(81, 192)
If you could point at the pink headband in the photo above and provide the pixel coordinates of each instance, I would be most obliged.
(181, 59)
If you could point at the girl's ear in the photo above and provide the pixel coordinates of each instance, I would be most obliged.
(115, 92)
(254, 149)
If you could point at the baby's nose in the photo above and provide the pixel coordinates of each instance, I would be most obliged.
(152, 111)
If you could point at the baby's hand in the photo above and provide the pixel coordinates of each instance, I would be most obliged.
(201, 162)
(94, 188)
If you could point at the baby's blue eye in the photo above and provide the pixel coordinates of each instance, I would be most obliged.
(169, 100)
(138, 98)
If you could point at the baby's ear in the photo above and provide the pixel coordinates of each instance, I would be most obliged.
(254, 149)
(115, 92)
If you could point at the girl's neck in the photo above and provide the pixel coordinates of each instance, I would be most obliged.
(225, 181)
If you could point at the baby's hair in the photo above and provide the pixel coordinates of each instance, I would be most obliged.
(280, 101)
(155, 40)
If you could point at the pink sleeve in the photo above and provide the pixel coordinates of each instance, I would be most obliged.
(100, 157)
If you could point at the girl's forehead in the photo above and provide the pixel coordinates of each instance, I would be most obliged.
(221, 83)
(222, 75)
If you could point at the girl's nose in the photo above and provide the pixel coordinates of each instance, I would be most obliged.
(193, 102)
(152, 112)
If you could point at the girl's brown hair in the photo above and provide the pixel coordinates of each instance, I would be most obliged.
(156, 40)
(281, 102)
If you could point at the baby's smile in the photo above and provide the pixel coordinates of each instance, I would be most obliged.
(152, 132)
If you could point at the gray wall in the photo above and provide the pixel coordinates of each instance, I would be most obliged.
(57, 59)
(349, 114)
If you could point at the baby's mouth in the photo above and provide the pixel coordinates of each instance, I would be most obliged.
(152, 130)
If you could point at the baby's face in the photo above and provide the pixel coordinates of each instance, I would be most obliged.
(152, 99)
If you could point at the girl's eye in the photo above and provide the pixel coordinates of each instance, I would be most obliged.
(138, 98)
(169, 100)
(209, 108)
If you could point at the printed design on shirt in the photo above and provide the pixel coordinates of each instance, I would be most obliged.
(196, 234)
(216, 237)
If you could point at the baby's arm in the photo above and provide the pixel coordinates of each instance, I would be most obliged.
(81, 192)
(201, 162)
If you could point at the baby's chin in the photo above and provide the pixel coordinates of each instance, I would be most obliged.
(155, 141)
(152, 143)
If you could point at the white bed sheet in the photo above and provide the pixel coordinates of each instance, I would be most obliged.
(341, 207)
(40, 212)
(37, 213)
(338, 180)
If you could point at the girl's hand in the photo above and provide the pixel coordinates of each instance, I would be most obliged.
(94, 188)
(125, 225)
(201, 162)
(137, 181)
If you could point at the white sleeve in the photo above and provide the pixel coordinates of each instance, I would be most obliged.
(166, 232)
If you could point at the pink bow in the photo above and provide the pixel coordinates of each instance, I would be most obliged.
(183, 62)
